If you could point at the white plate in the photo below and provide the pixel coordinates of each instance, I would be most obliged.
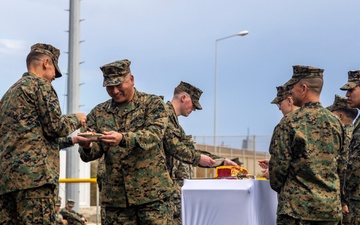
(89, 135)
(219, 161)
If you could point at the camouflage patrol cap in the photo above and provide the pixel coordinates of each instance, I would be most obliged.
(58, 202)
(50, 51)
(339, 103)
(114, 73)
(282, 93)
(193, 91)
(304, 72)
(71, 202)
(353, 80)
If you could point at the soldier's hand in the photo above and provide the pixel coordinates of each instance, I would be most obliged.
(85, 142)
(82, 118)
(83, 220)
(265, 173)
(207, 161)
(345, 209)
(264, 163)
(228, 162)
(113, 138)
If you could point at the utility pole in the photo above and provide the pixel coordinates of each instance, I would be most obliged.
(73, 97)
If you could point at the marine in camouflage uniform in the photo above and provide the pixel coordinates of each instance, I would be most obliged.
(177, 169)
(347, 115)
(186, 99)
(285, 103)
(58, 217)
(99, 177)
(31, 123)
(136, 185)
(352, 182)
(307, 156)
(70, 215)
(284, 100)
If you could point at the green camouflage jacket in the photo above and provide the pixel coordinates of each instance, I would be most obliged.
(348, 135)
(30, 125)
(352, 183)
(71, 216)
(307, 156)
(136, 173)
(58, 218)
(176, 139)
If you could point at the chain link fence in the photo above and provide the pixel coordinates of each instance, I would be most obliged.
(248, 149)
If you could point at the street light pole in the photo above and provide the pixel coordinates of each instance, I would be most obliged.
(241, 33)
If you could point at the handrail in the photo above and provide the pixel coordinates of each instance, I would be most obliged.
(77, 180)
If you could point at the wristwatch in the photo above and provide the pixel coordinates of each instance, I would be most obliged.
(70, 142)
(123, 141)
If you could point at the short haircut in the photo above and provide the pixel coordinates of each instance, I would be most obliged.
(178, 91)
(35, 56)
(314, 84)
(350, 113)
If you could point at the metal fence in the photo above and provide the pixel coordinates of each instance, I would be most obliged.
(248, 149)
(259, 143)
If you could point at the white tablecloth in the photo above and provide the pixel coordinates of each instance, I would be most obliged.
(228, 202)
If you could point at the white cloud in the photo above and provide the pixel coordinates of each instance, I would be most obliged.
(13, 47)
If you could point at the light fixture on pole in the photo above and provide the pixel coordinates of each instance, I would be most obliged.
(241, 33)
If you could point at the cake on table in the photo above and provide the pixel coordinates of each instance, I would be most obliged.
(231, 172)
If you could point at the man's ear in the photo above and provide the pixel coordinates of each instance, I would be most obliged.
(290, 100)
(46, 62)
(341, 116)
(183, 97)
(304, 87)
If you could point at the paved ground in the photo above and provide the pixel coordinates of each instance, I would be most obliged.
(90, 215)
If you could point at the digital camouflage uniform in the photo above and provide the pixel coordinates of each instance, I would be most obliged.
(176, 139)
(349, 128)
(99, 176)
(135, 176)
(72, 217)
(58, 217)
(30, 124)
(178, 170)
(175, 134)
(307, 156)
(340, 104)
(348, 135)
(352, 182)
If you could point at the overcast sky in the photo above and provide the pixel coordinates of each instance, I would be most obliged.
(173, 41)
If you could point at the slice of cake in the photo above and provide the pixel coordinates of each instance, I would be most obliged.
(230, 171)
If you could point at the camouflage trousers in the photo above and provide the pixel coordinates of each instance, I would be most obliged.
(288, 220)
(102, 215)
(346, 219)
(176, 205)
(354, 212)
(73, 221)
(31, 206)
(155, 213)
